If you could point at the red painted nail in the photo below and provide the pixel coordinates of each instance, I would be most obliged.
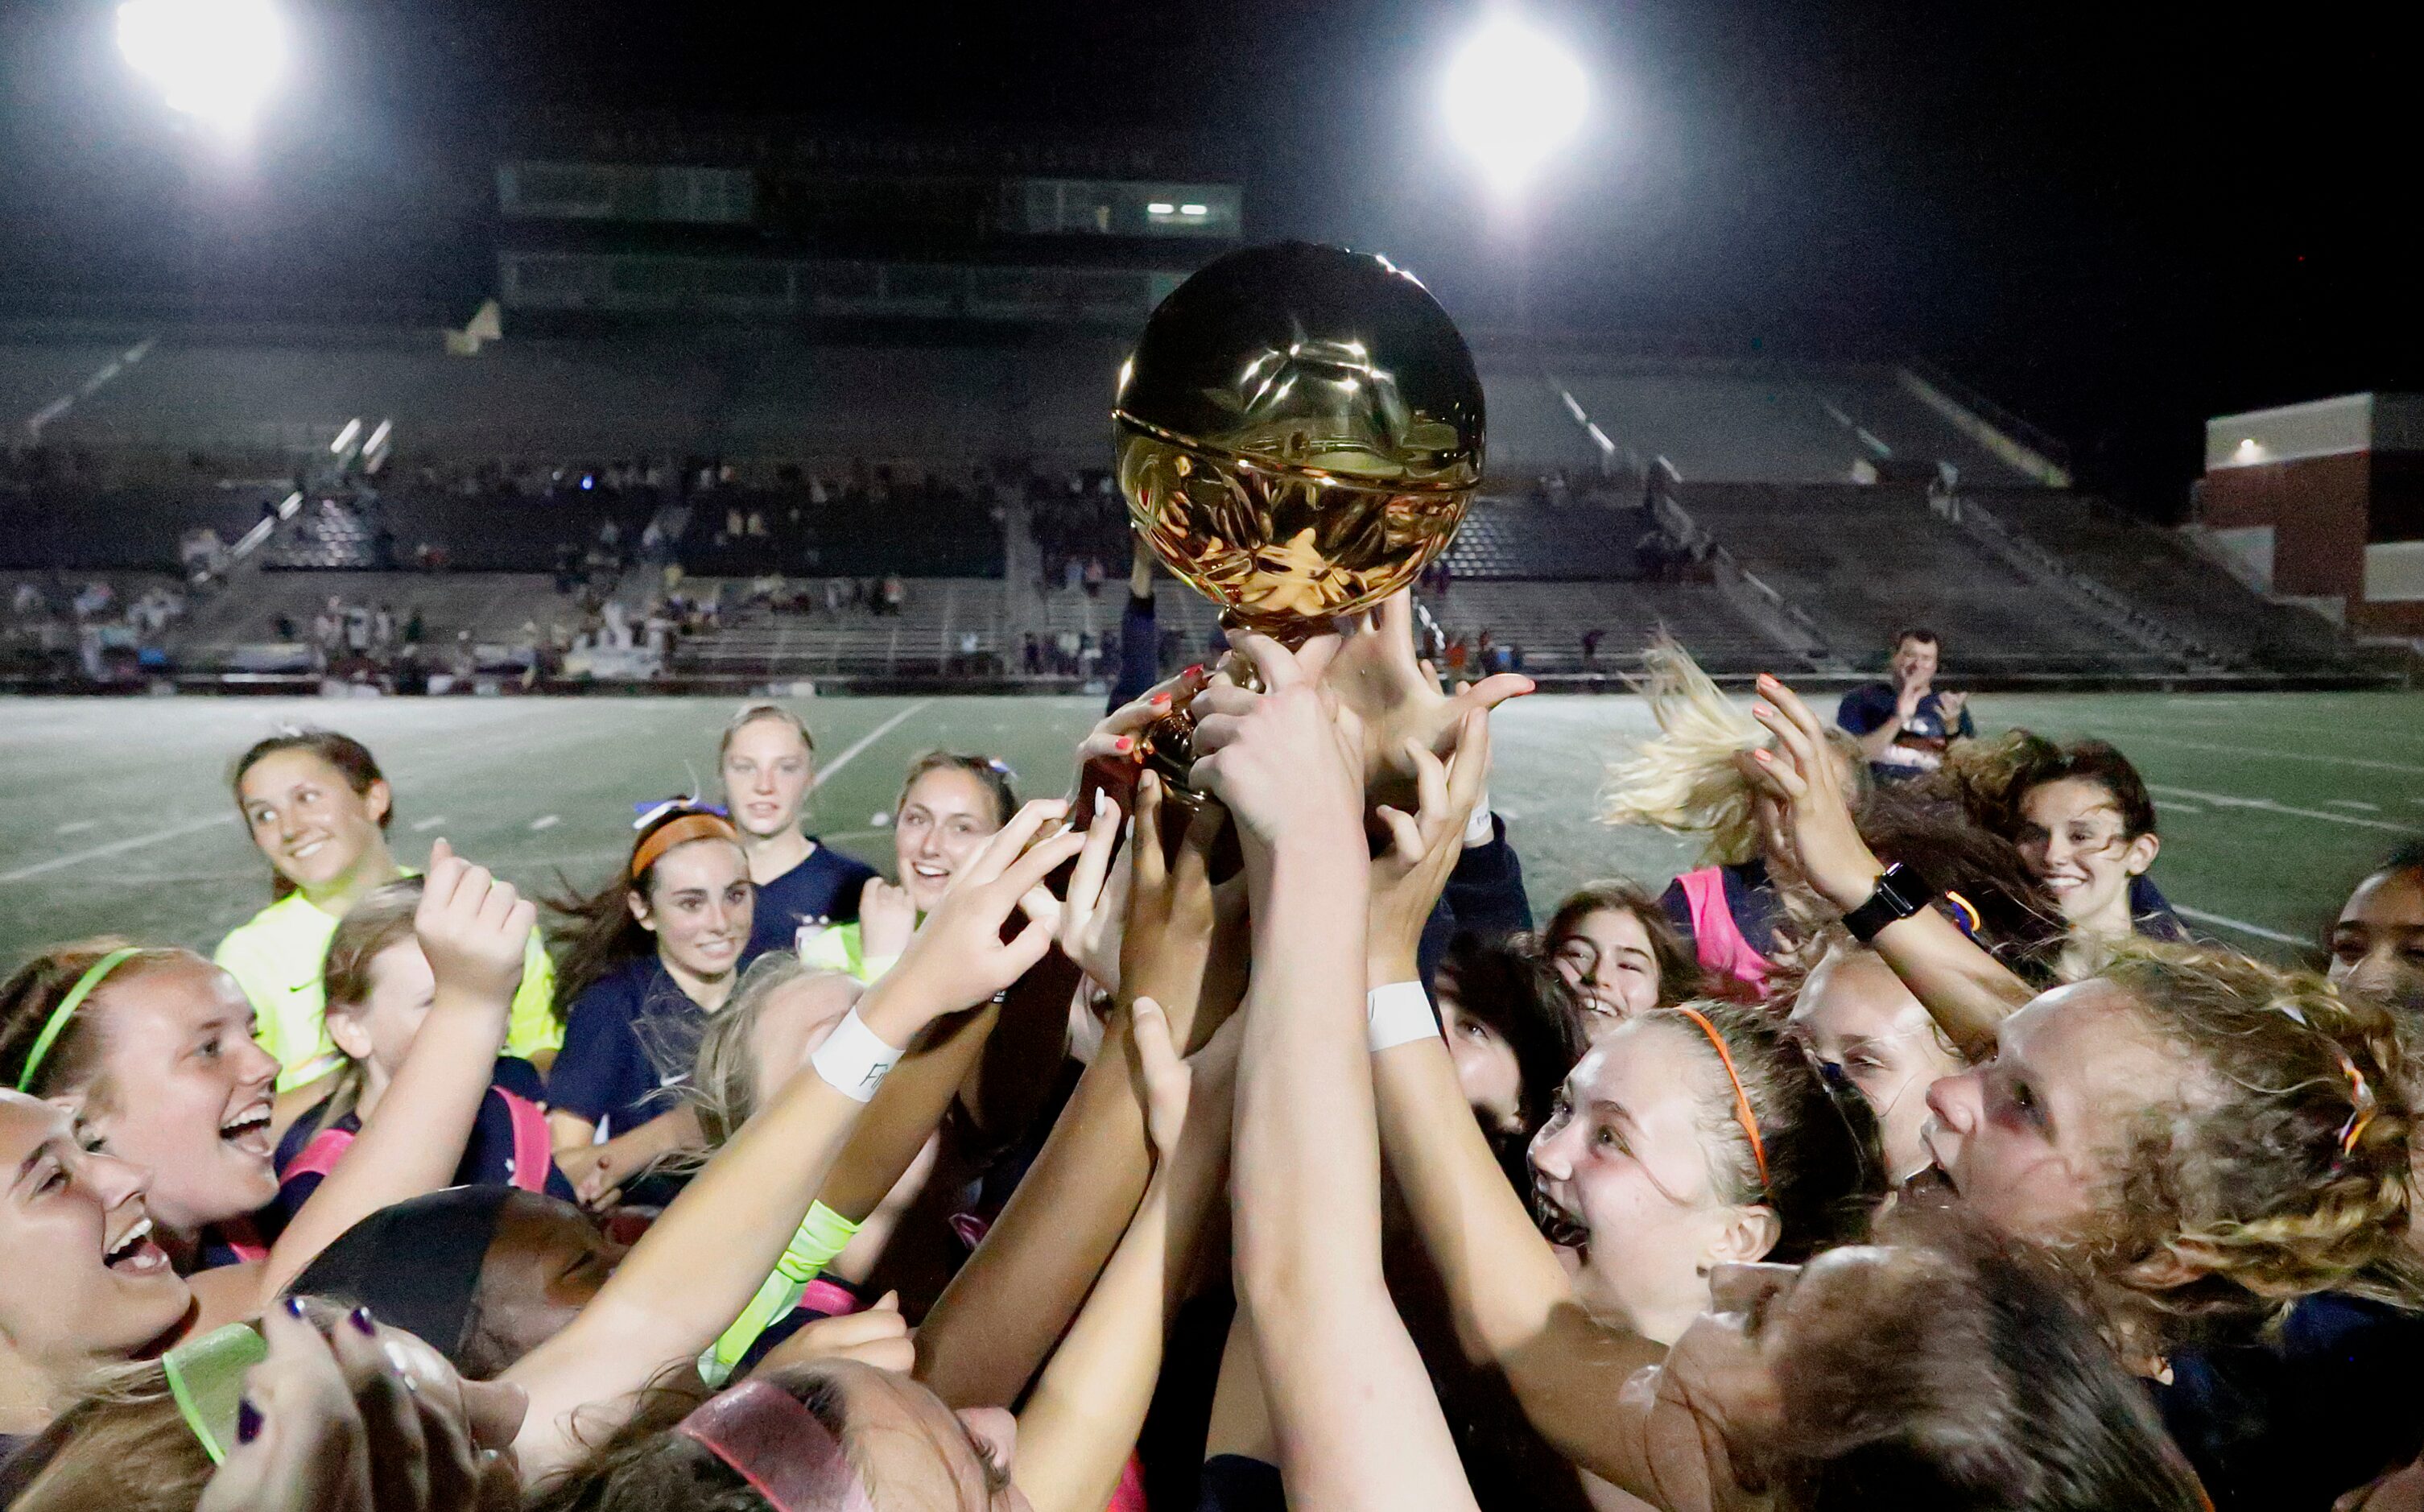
(1195, 672)
(1122, 743)
(1160, 700)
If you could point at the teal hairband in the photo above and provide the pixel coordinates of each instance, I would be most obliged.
(68, 1005)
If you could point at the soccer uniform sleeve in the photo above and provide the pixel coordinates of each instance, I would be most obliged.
(291, 1032)
(597, 1034)
(533, 1029)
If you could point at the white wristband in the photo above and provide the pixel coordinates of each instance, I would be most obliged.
(1399, 1013)
(853, 1060)
(1479, 829)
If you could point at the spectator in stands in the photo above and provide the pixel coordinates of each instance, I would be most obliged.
(318, 809)
(2377, 944)
(768, 760)
(1904, 724)
(645, 958)
(2085, 823)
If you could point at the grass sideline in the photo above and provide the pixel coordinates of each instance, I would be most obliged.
(114, 817)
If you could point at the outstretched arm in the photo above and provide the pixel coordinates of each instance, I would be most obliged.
(1513, 1305)
(1968, 991)
(1352, 1405)
(1077, 1428)
(701, 1263)
(472, 927)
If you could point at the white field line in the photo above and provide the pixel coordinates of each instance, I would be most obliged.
(2267, 806)
(77, 826)
(2365, 763)
(2241, 925)
(421, 826)
(849, 752)
(545, 821)
(133, 842)
(2351, 803)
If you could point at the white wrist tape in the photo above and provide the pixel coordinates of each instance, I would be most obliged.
(853, 1060)
(1478, 829)
(1399, 1013)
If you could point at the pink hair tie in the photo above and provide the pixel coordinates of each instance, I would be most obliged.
(772, 1440)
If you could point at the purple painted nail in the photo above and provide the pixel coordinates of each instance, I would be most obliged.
(294, 1306)
(248, 1422)
(361, 1318)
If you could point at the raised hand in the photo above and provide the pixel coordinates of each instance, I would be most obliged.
(957, 959)
(1804, 775)
(354, 1422)
(474, 928)
(887, 918)
(877, 1336)
(1173, 915)
(1289, 758)
(1168, 1078)
(1089, 922)
(1949, 708)
(1116, 735)
(1378, 675)
(1408, 876)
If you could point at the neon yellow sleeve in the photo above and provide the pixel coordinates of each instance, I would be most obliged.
(822, 1235)
(533, 1029)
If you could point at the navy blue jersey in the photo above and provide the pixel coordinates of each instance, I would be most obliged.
(823, 888)
(630, 1036)
(488, 1155)
(1920, 744)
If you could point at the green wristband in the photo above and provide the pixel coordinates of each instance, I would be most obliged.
(822, 1235)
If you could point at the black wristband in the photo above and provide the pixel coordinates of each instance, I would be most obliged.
(1900, 892)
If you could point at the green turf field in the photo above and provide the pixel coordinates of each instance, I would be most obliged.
(114, 816)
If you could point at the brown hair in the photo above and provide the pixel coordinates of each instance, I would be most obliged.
(1991, 778)
(1823, 1169)
(34, 990)
(2281, 1169)
(123, 1445)
(597, 932)
(992, 772)
(644, 1466)
(1679, 969)
(1966, 1375)
(368, 930)
(351, 758)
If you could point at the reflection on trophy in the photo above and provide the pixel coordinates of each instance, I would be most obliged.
(1300, 432)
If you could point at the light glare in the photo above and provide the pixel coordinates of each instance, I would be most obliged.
(215, 60)
(1514, 96)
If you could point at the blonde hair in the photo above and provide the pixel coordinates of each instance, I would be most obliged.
(368, 930)
(2283, 1169)
(1684, 779)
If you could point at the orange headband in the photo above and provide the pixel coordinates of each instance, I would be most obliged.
(680, 832)
(1743, 1114)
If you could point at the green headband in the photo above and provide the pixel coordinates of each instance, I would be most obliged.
(68, 1005)
(206, 1376)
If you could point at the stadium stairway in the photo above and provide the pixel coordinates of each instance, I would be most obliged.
(1863, 561)
(1547, 619)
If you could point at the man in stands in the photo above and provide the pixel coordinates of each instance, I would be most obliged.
(1904, 724)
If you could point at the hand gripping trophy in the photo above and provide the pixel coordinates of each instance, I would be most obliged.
(1299, 430)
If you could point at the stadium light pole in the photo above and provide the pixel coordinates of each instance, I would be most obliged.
(1514, 96)
(216, 61)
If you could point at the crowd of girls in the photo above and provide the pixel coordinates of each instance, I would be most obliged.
(1227, 1146)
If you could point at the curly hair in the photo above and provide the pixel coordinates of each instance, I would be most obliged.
(1684, 779)
(1991, 778)
(2279, 1170)
(1825, 1172)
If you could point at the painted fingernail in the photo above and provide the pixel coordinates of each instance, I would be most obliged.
(1160, 700)
(1122, 743)
(1102, 802)
(1195, 672)
(1761, 757)
(361, 1318)
(294, 1306)
(247, 1420)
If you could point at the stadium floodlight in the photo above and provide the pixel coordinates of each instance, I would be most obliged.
(215, 60)
(1514, 95)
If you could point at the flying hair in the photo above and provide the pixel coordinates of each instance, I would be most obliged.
(1684, 778)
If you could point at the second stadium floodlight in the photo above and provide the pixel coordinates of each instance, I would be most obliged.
(215, 60)
(1514, 95)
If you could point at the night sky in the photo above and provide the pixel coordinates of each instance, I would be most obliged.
(2117, 219)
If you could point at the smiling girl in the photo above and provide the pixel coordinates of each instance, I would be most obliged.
(646, 958)
(951, 804)
(318, 808)
(769, 762)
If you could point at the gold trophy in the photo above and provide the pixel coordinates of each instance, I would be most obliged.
(1299, 430)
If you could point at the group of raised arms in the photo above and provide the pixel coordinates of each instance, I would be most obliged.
(1232, 1145)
